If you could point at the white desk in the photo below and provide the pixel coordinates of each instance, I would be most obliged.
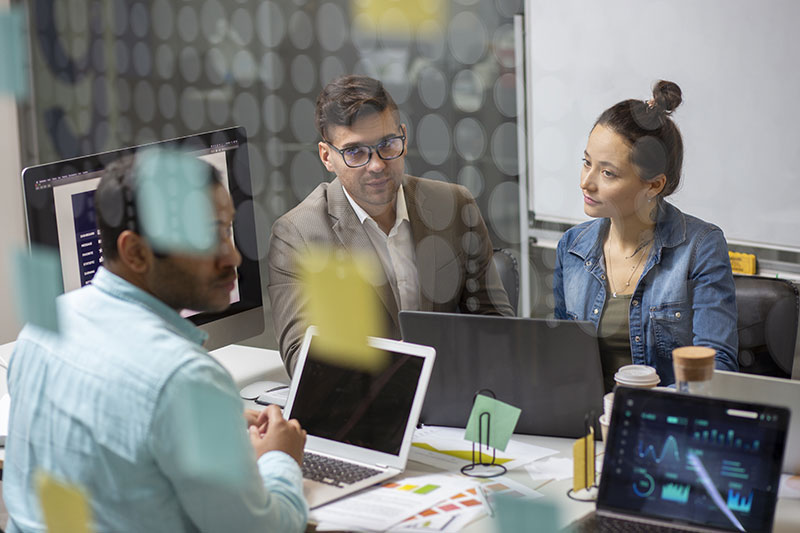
(248, 365)
(268, 366)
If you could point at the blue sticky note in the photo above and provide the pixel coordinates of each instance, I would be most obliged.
(13, 53)
(38, 283)
(491, 418)
(211, 429)
(516, 514)
(174, 202)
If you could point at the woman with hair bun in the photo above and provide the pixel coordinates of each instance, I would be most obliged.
(649, 277)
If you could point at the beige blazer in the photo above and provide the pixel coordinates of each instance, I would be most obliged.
(453, 255)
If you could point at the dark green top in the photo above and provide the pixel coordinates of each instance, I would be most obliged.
(614, 338)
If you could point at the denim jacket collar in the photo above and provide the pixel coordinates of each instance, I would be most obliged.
(670, 231)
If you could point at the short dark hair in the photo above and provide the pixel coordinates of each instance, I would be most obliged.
(655, 140)
(348, 98)
(115, 202)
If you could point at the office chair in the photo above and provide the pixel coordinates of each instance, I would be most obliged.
(768, 325)
(507, 267)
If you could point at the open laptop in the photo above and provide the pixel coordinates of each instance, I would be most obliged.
(776, 391)
(360, 424)
(689, 463)
(548, 368)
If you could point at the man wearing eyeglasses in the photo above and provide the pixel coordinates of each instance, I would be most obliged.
(428, 235)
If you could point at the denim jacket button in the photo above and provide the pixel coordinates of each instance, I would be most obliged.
(678, 314)
(603, 276)
(635, 303)
(637, 338)
(588, 263)
(596, 311)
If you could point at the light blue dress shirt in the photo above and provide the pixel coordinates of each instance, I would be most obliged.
(127, 404)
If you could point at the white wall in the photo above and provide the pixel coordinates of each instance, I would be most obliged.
(13, 222)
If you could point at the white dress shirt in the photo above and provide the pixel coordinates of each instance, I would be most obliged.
(395, 251)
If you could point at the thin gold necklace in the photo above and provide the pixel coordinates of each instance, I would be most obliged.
(633, 270)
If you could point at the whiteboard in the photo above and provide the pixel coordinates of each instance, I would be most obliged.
(738, 65)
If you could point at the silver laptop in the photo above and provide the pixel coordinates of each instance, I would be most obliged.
(548, 368)
(689, 463)
(776, 391)
(360, 424)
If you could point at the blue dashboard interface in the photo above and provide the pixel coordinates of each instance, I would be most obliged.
(693, 460)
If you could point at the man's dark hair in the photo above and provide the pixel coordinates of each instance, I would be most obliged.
(348, 98)
(115, 202)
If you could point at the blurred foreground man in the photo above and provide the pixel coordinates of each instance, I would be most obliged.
(126, 404)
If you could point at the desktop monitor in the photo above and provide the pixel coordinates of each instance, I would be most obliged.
(59, 207)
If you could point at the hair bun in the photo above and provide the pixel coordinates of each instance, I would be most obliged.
(666, 96)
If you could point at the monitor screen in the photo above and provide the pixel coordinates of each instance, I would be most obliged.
(355, 406)
(693, 460)
(59, 207)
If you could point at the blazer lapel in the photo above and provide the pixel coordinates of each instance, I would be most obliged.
(418, 213)
(353, 237)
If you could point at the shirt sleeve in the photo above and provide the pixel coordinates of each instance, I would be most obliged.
(199, 440)
(289, 304)
(559, 303)
(714, 301)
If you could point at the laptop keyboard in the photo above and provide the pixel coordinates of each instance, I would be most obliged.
(606, 524)
(334, 471)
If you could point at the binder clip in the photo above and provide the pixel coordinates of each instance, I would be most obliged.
(585, 478)
(480, 467)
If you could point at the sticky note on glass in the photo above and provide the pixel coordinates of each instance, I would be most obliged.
(37, 275)
(14, 56)
(344, 307)
(212, 430)
(583, 462)
(65, 507)
(519, 514)
(174, 202)
(494, 419)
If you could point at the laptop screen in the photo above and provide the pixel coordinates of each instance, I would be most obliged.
(693, 460)
(357, 407)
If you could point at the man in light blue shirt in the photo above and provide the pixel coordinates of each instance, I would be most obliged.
(111, 403)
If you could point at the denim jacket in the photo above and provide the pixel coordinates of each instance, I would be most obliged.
(685, 295)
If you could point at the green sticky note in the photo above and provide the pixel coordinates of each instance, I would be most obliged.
(38, 282)
(499, 424)
(174, 202)
(14, 56)
(211, 431)
(519, 514)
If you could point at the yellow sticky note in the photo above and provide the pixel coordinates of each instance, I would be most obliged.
(583, 462)
(65, 507)
(344, 307)
(425, 16)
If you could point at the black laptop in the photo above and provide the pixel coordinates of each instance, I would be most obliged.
(689, 463)
(548, 368)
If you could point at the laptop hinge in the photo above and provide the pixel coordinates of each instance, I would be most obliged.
(385, 467)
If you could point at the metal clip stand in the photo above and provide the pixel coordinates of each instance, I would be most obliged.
(589, 422)
(490, 469)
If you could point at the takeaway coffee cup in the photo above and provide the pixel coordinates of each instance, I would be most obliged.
(639, 376)
(694, 367)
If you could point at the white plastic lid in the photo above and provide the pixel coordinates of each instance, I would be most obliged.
(637, 376)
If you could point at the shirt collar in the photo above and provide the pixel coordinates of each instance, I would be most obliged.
(108, 282)
(401, 210)
(670, 231)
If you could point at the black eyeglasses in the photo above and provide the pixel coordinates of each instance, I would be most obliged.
(360, 155)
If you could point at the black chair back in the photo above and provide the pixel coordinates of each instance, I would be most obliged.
(767, 324)
(507, 267)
